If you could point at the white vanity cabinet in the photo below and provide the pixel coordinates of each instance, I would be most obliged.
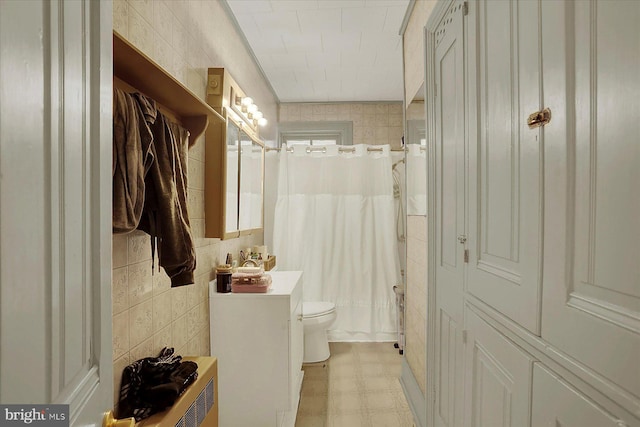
(258, 340)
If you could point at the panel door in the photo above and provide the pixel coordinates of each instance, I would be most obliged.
(497, 377)
(55, 205)
(556, 403)
(591, 306)
(449, 216)
(505, 209)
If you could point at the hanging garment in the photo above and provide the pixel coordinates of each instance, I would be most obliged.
(166, 218)
(132, 158)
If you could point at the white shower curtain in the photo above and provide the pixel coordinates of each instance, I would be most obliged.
(416, 180)
(335, 220)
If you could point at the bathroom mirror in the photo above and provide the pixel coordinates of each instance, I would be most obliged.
(232, 176)
(416, 156)
(234, 168)
(251, 167)
(234, 161)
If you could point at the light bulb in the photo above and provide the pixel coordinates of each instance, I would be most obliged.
(262, 122)
(258, 115)
(252, 108)
(247, 101)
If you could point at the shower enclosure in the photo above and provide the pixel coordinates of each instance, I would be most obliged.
(335, 218)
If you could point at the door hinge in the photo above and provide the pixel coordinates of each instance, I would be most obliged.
(466, 255)
(464, 336)
(465, 9)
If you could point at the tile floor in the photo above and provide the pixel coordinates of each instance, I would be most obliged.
(357, 386)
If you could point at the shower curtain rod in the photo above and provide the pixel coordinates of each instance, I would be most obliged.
(343, 149)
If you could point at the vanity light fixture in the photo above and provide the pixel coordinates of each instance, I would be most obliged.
(246, 103)
(241, 108)
(248, 111)
(248, 108)
(258, 119)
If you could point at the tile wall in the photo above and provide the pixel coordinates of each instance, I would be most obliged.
(413, 46)
(184, 37)
(416, 292)
(416, 282)
(188, 36)
(416, 298)
(374, 123)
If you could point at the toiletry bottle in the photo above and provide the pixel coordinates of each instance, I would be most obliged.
(223, 277)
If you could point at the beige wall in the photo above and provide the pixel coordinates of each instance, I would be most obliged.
(415, 111)
(416, 292)
(188, 36)
(185, 38)
(413, 47)
(416, 298)
(373, 122)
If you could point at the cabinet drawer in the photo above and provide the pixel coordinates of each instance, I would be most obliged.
(556, 403)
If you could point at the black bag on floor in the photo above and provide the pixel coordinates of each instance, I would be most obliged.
(153, 384)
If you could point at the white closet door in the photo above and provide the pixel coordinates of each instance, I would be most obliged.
(449, 217)
(55, 206)
(556, 403)
(497, 377)
(505, 210)
(591, 305)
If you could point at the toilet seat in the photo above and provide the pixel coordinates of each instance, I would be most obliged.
(311, 309)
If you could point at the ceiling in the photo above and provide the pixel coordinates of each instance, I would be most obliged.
(326, 50)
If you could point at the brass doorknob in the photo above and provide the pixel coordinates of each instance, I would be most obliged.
(109, 421)
(539, 118)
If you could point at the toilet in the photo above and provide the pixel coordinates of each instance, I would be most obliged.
(317, 316)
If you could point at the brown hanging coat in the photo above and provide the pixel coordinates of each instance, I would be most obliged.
(132, 158)
(150, 182)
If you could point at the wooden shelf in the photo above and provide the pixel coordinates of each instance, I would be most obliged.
(138, 71)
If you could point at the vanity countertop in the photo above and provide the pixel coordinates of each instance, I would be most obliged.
(283, 284)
